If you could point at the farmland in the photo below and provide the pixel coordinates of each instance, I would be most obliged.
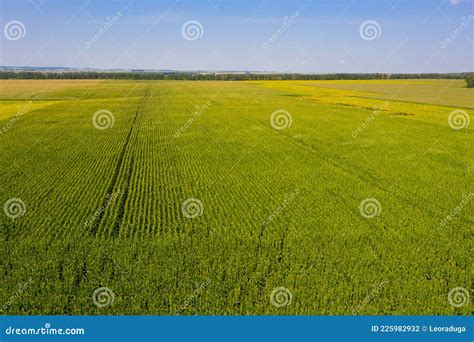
(236, 198)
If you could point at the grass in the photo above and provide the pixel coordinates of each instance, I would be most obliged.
(280, 208)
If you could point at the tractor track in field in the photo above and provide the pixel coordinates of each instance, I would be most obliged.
(121, 211)
(118, 167)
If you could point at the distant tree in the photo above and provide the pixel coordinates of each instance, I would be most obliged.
(244, 76)
(470, 81)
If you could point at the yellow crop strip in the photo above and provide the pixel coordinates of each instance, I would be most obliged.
(316, 91)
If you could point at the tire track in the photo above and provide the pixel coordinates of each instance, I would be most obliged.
(118, 167)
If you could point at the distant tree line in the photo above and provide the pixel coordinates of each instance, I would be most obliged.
(94, 75)
(470, 81)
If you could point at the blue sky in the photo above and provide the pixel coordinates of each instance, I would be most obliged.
(319, 36)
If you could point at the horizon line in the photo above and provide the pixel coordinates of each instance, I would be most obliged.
(147, 70)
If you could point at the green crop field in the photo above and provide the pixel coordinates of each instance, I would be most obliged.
(275, 197)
